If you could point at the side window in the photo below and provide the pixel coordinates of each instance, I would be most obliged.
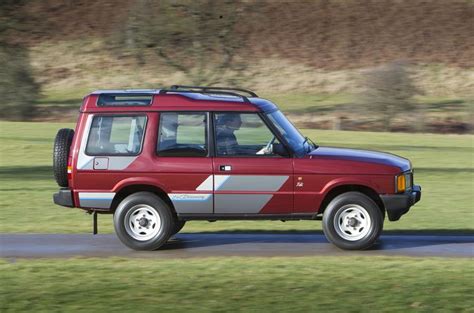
(116, 135)
(243, 135)
(182, 134)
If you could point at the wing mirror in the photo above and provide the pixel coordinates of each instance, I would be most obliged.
(279, 149)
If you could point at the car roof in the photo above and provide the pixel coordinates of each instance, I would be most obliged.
(174, 100)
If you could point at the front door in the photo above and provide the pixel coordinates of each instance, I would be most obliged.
(251, 174)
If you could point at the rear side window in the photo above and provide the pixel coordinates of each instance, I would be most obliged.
(183, 134)
(116, 135)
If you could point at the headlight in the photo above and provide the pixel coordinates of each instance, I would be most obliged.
(403, 182)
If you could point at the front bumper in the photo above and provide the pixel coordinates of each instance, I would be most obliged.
(397, 205)
(64, 197)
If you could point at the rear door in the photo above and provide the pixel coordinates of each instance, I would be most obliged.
(249, 178)
(183, 163)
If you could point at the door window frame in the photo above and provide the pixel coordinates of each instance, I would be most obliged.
(208, 140)
(142, 142)
(273, 130)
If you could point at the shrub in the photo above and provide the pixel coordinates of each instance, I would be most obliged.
(387, 91)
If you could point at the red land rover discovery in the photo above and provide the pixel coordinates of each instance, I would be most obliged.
(158, 158)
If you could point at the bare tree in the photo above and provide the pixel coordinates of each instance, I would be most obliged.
(198, 38)
(387, 91)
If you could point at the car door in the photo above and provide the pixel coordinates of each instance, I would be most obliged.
(183, 163)
(249, 178)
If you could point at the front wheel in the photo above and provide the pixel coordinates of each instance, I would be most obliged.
(179, 224)
(143, 221)
(352, 221)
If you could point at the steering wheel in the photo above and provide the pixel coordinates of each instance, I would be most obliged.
(268, 147)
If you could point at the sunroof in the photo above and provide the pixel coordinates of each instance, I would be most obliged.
(125, 99)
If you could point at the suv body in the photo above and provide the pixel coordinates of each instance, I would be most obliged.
(158, 158)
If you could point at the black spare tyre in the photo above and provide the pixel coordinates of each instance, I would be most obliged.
(62, 144)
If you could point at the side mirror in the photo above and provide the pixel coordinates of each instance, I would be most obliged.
(280, 149)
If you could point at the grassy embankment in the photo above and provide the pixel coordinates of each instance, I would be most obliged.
(299, 103)
(347, 284)
(443, 164)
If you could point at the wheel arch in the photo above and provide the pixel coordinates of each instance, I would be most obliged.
(131, 189)
(338, 190)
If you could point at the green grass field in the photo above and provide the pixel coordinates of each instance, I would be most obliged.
(443, 167)
(325, 284)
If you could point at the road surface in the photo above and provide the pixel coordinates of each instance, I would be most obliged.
(188, 245)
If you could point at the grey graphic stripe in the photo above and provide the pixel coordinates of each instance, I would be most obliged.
(251, 182)
(206, 185)
(191, 203)
(101, 200)
(232, 203)
(84, 161)
(229, 203)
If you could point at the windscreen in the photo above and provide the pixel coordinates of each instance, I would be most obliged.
(295, 139)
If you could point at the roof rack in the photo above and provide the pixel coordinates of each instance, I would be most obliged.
(209, 90)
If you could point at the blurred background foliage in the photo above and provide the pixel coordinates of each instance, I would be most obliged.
(18, 87)
(344, 65)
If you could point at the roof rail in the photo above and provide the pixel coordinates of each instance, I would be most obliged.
(209, 88)
(205, 90)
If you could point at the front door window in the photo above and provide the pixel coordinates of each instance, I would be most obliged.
(243, 134)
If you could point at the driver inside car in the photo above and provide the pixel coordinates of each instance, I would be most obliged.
(227, 124)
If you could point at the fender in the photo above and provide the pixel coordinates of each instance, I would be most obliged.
(140, 180)
(342, 181)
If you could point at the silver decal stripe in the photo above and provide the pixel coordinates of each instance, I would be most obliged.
(101, 200)
(206, 185)
(219, 180)
(189, 196)
(84, 162)
(248, 203)
(249, 182)
(120, 162)
(229, 203)
(192, 202)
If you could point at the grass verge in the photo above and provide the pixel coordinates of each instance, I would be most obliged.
(352, 284)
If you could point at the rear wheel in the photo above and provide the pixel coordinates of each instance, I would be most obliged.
(143, 221)
(352, 221)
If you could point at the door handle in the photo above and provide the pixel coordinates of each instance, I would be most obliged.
(225, 168)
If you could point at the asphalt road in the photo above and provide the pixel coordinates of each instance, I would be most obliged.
(229, 244)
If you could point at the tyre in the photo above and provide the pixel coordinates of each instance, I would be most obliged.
(62, 145)
(143, 221)
(352, 221)
(179, 224)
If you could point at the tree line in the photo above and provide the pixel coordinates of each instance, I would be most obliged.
(199, 39)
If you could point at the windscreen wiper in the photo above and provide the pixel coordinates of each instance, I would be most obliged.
(306, 139)
(314, 144)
